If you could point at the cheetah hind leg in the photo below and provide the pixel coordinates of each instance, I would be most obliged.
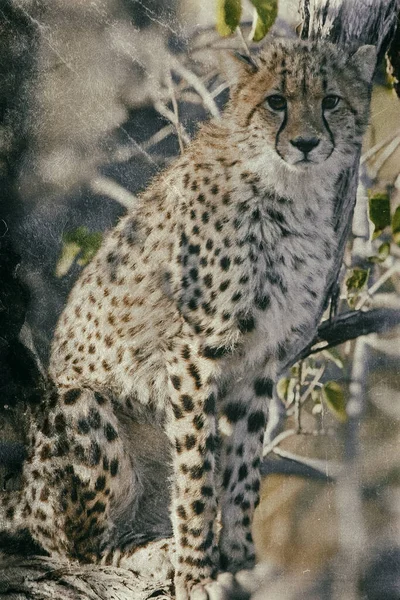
(76, 472)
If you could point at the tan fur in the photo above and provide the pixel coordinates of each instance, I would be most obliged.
(186, 313)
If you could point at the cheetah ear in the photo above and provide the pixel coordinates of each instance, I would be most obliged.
(236, 66)
(365, 61)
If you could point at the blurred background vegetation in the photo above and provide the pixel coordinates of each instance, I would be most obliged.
(95, 98)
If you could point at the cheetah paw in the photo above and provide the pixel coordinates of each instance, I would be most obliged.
(223, 588)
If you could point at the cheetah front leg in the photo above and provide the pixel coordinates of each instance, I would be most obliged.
(245, 409)
(192, 430)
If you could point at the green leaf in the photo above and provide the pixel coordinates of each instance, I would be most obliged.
(379, 212)
(282, 388)
(355, 282)
(267, 11)
(396, 226)
(80, 243)
(333, 355)
(69, 252)
(333, 396)
(357, 279)
(383, 253)
(285, 389)
(228, 16)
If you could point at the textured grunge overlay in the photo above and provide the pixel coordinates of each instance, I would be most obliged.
(199, 311)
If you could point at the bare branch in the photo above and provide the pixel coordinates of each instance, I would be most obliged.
(349, 326)
(178, 124)
(107, 187)
(170, 115)
(197, 85)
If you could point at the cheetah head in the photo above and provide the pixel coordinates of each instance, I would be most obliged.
(304, 103)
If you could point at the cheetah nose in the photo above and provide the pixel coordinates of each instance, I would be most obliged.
(305, 144)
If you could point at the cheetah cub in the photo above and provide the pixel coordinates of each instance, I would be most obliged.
(183, 319)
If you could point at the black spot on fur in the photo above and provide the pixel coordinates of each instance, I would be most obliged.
(94, 418)
(60, 423)
(99, 398)
(194, 274)
(190, 442)
(209, 405)
(114, 467)
(178, 414)
(187, 402)
(246, 323)
(100, 483)
(225, 263)
(226, 477)
(194, 248)
(234, 411)
(263, 387)
(224, 285)
(208, 280)
(198, 422)
(262, 302)
(256, 421)
(194, 372)
(186, 352)
(207, 491)
(176, 382)
(94, 454)
(197, 472)
(198, 507)
(110, 432)
(181, 512)
(72, 396)
(243, 472)
(83, 426)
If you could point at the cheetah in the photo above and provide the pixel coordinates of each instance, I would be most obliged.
(165, 357)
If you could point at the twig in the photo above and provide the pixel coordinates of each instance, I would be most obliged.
(372, 151)
(108, 187)
(297, 398)
(292, 465)
(395, 268)
(197, 85)
(279, 438)
(312, 384)
(349, 326)
(170, 115)
(178, 124)
(245, 45)
(328, 469)
(386, 154)
(218, 90)
(125, 153)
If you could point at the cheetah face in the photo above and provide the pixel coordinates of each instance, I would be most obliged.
(306, 103)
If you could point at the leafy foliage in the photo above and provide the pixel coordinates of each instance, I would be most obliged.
(267, 11)
(228, 16)
(229, 13)
(396, 226)
(355, 283)
(379, 212)
(80, 244)
(333, 396)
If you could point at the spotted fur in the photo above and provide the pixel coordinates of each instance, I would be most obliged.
(184, 316)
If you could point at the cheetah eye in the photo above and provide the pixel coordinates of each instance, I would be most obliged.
(277, 102)
(329, 102)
